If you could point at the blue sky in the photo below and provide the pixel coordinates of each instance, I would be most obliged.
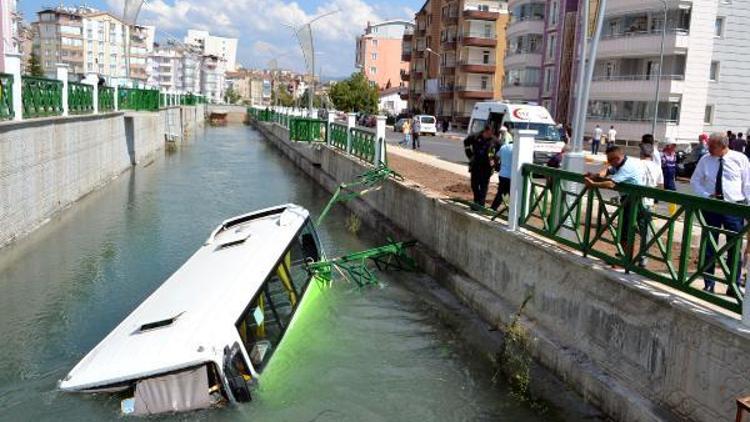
(258, 25)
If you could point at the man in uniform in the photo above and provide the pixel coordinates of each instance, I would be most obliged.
(480, 150)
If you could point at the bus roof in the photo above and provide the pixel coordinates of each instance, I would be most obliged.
(191, 317)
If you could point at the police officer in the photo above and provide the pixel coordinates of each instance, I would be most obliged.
(480, 150)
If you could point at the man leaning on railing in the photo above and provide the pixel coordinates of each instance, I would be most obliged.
(722, 174)
(620, 169)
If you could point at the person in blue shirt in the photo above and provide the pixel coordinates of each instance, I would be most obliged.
(505, 157)
(620, 169)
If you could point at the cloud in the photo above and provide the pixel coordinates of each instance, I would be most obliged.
(259, 24)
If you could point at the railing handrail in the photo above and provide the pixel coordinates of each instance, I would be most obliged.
(639, 77)
(642, 32)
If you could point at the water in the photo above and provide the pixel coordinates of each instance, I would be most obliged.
(374, 354)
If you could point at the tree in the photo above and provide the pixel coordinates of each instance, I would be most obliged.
(35, 66)
(283, 96)
(317, 100)
(355, 94)
(231, 96)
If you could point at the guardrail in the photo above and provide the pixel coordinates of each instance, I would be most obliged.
(41, 97)
(138, 99)
(106, 98)
(363, 144)
(6, 96)
(306, 130)
(80, 98)
(338, 136)
(676, 250)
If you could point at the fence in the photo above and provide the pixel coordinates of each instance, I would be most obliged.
(305, 130)
(80, 98)
(339, 136)
(41, 97)
(106, 98)
(616, 227)
(363, 144)
(6, 96)
(138, 99)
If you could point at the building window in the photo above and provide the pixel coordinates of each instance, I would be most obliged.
(375, 43)
(708, 115)
(374, 56)
(719, 27)
(714, 72)
(551, 46)
(547, 80)
(553, 13)
(486, 57)
(485, 82)
(373, 70)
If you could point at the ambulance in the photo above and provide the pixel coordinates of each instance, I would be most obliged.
(517, 116)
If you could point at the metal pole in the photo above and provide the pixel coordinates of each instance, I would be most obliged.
(590, 67)
(661, 64)
(577, 130)
(312, 79)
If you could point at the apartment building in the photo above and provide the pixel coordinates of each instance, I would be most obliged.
(175, 67)
(455, 48)
(523, 59)
(213, 69)
(623, 90)
(378, 52)
(557, 56)
(60, 32)
(211, 45)
(9, 30)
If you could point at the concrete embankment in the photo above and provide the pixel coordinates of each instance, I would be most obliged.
(235, 114)
(633, 349)
(47, 164)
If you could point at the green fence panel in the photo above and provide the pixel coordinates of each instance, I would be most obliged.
(41, 97)
(363, 144)
(106, 99)
(339, 136)
(138, 99)
(305, 130)
(6, 97)
(80, 98)
(620, 230)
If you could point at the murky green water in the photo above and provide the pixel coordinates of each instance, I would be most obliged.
(355, 355)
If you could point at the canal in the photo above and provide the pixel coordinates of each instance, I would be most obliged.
(373, 354)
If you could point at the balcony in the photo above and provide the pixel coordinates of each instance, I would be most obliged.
(478, 39)
(447, 91)
(417, 74)
(635, 87)
(477, 67)
(406, 56)
(641, 43)
(450, 20)
(404, 75)
(530, 26)
(448, 43)
(474, 92)
(529, 58)
(481, 15)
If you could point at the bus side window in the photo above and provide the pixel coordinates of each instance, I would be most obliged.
(309, 247)
(237, 373)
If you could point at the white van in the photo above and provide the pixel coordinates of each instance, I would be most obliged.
(516, 116)
(428, 124)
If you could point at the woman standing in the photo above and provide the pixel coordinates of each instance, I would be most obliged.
(406, 130)
(669, 165)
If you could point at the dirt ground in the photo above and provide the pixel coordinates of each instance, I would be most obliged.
(441, 181)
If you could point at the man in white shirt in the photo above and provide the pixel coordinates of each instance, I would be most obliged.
(653, 177)
(596, 140)
(611, 135)
(724, 175)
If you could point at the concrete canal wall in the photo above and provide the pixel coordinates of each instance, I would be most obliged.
(48, 164)
(235, 113)
(634, 350)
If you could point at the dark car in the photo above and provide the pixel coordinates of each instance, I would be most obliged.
(687, 161)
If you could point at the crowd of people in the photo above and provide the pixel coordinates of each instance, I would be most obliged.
(722, 173)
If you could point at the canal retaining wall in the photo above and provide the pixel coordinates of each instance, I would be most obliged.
(235, 114)
(635, 350)
(47, 164)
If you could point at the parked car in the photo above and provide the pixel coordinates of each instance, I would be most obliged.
(399, 126)
(427, 124)
(687, 159)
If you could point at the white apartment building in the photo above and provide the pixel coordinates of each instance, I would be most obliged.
(213, 70)
(175, 68)
(523, 57)
(225, 48)
(703, 78)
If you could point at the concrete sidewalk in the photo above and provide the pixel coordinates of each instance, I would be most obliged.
(429, 159)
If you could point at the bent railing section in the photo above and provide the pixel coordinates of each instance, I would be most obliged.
(616, 227)
(339, 136)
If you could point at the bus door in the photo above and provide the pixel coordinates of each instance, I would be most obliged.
(496, 122)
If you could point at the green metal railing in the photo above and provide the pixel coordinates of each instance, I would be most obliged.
(339, 136)
(306, 130)
(138, 99)
(80, 98)
(363, 144)
(41, 97)
(616, 228)
(106, 99)
(6, 97)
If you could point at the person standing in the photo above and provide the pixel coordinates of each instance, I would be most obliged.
(620, 169)
(738, 143)
(653, 177)
(723, 174)
(406, 129)
(611, 135)
(669, 165)
(596, 140)
(445, 125)
(505, 158)
(649, 139)
(416, 131)
(480, 150)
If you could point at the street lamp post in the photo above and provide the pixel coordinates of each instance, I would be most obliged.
(131, 10)
(661, 64)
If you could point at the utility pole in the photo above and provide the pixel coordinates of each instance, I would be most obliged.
(661, 64)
